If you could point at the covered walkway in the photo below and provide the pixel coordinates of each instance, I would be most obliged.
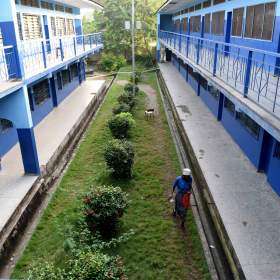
(49, 134)
(247, 205)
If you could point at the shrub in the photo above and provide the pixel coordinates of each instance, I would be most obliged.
(121, 108)
(138, 76)
(103, 207)
(110, 62)
(129, 88)
(127, 98)
(121, 124)
(83, 265)
(119, 156)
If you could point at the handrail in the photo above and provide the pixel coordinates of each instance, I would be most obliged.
(224, 43)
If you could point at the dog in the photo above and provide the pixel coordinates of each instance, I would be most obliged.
(150, 114)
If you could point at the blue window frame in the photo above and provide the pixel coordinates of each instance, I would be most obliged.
(5, 125)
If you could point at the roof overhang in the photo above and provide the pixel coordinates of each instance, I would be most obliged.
(83, 4)
(172, 6)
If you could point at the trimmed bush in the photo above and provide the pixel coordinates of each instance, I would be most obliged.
(83, 265)
(121, 108)
(119, 156)
(127, 98)
(103, 207)
(121, 124)
(129, 88)
(138, 77)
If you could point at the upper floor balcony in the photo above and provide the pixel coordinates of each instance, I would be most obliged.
(254, 73)
(33, 57)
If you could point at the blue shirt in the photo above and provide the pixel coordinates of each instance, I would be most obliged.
(182, 185)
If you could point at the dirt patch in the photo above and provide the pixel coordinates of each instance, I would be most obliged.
(122, 82)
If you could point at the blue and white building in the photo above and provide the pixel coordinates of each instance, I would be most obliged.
(229, 52)
(42, 60)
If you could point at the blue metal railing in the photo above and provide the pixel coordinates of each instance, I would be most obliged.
(37, 55)
(8, 63)
(253, 73)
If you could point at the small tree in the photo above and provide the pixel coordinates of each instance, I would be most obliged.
(119, 156)
(128, 98)
(121, 108)
(121, 124)
(103, 207)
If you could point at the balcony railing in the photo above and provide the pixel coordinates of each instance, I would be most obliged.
(8, 63)
(38, 55)
(253, 73)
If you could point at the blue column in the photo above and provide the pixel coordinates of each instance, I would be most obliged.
(248, 73)
(28, 150)
(221, 106)
(53, 91)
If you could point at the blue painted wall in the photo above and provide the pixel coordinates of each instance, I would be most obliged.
(8, 139)
(210, 101)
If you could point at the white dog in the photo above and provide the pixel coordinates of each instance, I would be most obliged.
(150, 114)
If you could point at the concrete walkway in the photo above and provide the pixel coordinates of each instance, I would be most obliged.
(248, 207)
(49, 133)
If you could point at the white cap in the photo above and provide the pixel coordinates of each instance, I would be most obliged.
(187, 172)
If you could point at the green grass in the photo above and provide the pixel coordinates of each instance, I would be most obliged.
(158, 249)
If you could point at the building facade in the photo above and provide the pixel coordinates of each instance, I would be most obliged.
(228, 51)
(42, 60)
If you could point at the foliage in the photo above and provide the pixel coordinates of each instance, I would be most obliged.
(110, 63)
(103, 207)
(138, 76)
(112, 19)
(121, 108)
(119, 156)
(121, 124)
(129, 88)
(128, 98)
(83, 265)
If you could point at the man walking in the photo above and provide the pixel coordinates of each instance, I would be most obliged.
(182, 186)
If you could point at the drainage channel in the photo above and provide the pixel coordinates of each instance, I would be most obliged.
(23, 229)
(217, 261)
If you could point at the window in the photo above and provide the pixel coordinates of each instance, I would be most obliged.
(185, 25)
(41, 92)
(191, 9)
(65, 77)
(32, 27)
(215, 2)
(69, 27)
(229, 106)
(31, 3)
(248, 123)
(260, 21)
(46, 5)
(218, 20)
(59, 81)
(53, 27)
(177, 25)
(59, 8)
(207, 23)
(214, 92)
(68, 10)
(195, 23)
(237, 22)
(74, 70)
(276, 153)
(60, 28)
(197, 7)
(203, 83)
(207, 4)
(19, 26)
(5, 125)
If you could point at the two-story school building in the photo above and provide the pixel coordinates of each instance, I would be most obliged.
(228, 51)
(42, 60)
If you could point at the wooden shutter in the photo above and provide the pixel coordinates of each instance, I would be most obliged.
(32, 26)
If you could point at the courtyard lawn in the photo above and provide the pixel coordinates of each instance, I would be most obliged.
(158, 249)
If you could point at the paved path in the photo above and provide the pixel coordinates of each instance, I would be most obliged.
(49, 134)
(249, 208)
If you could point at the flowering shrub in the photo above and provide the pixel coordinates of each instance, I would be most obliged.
(121, 108)
(103, 207)
(121, 124)
(119, 156)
